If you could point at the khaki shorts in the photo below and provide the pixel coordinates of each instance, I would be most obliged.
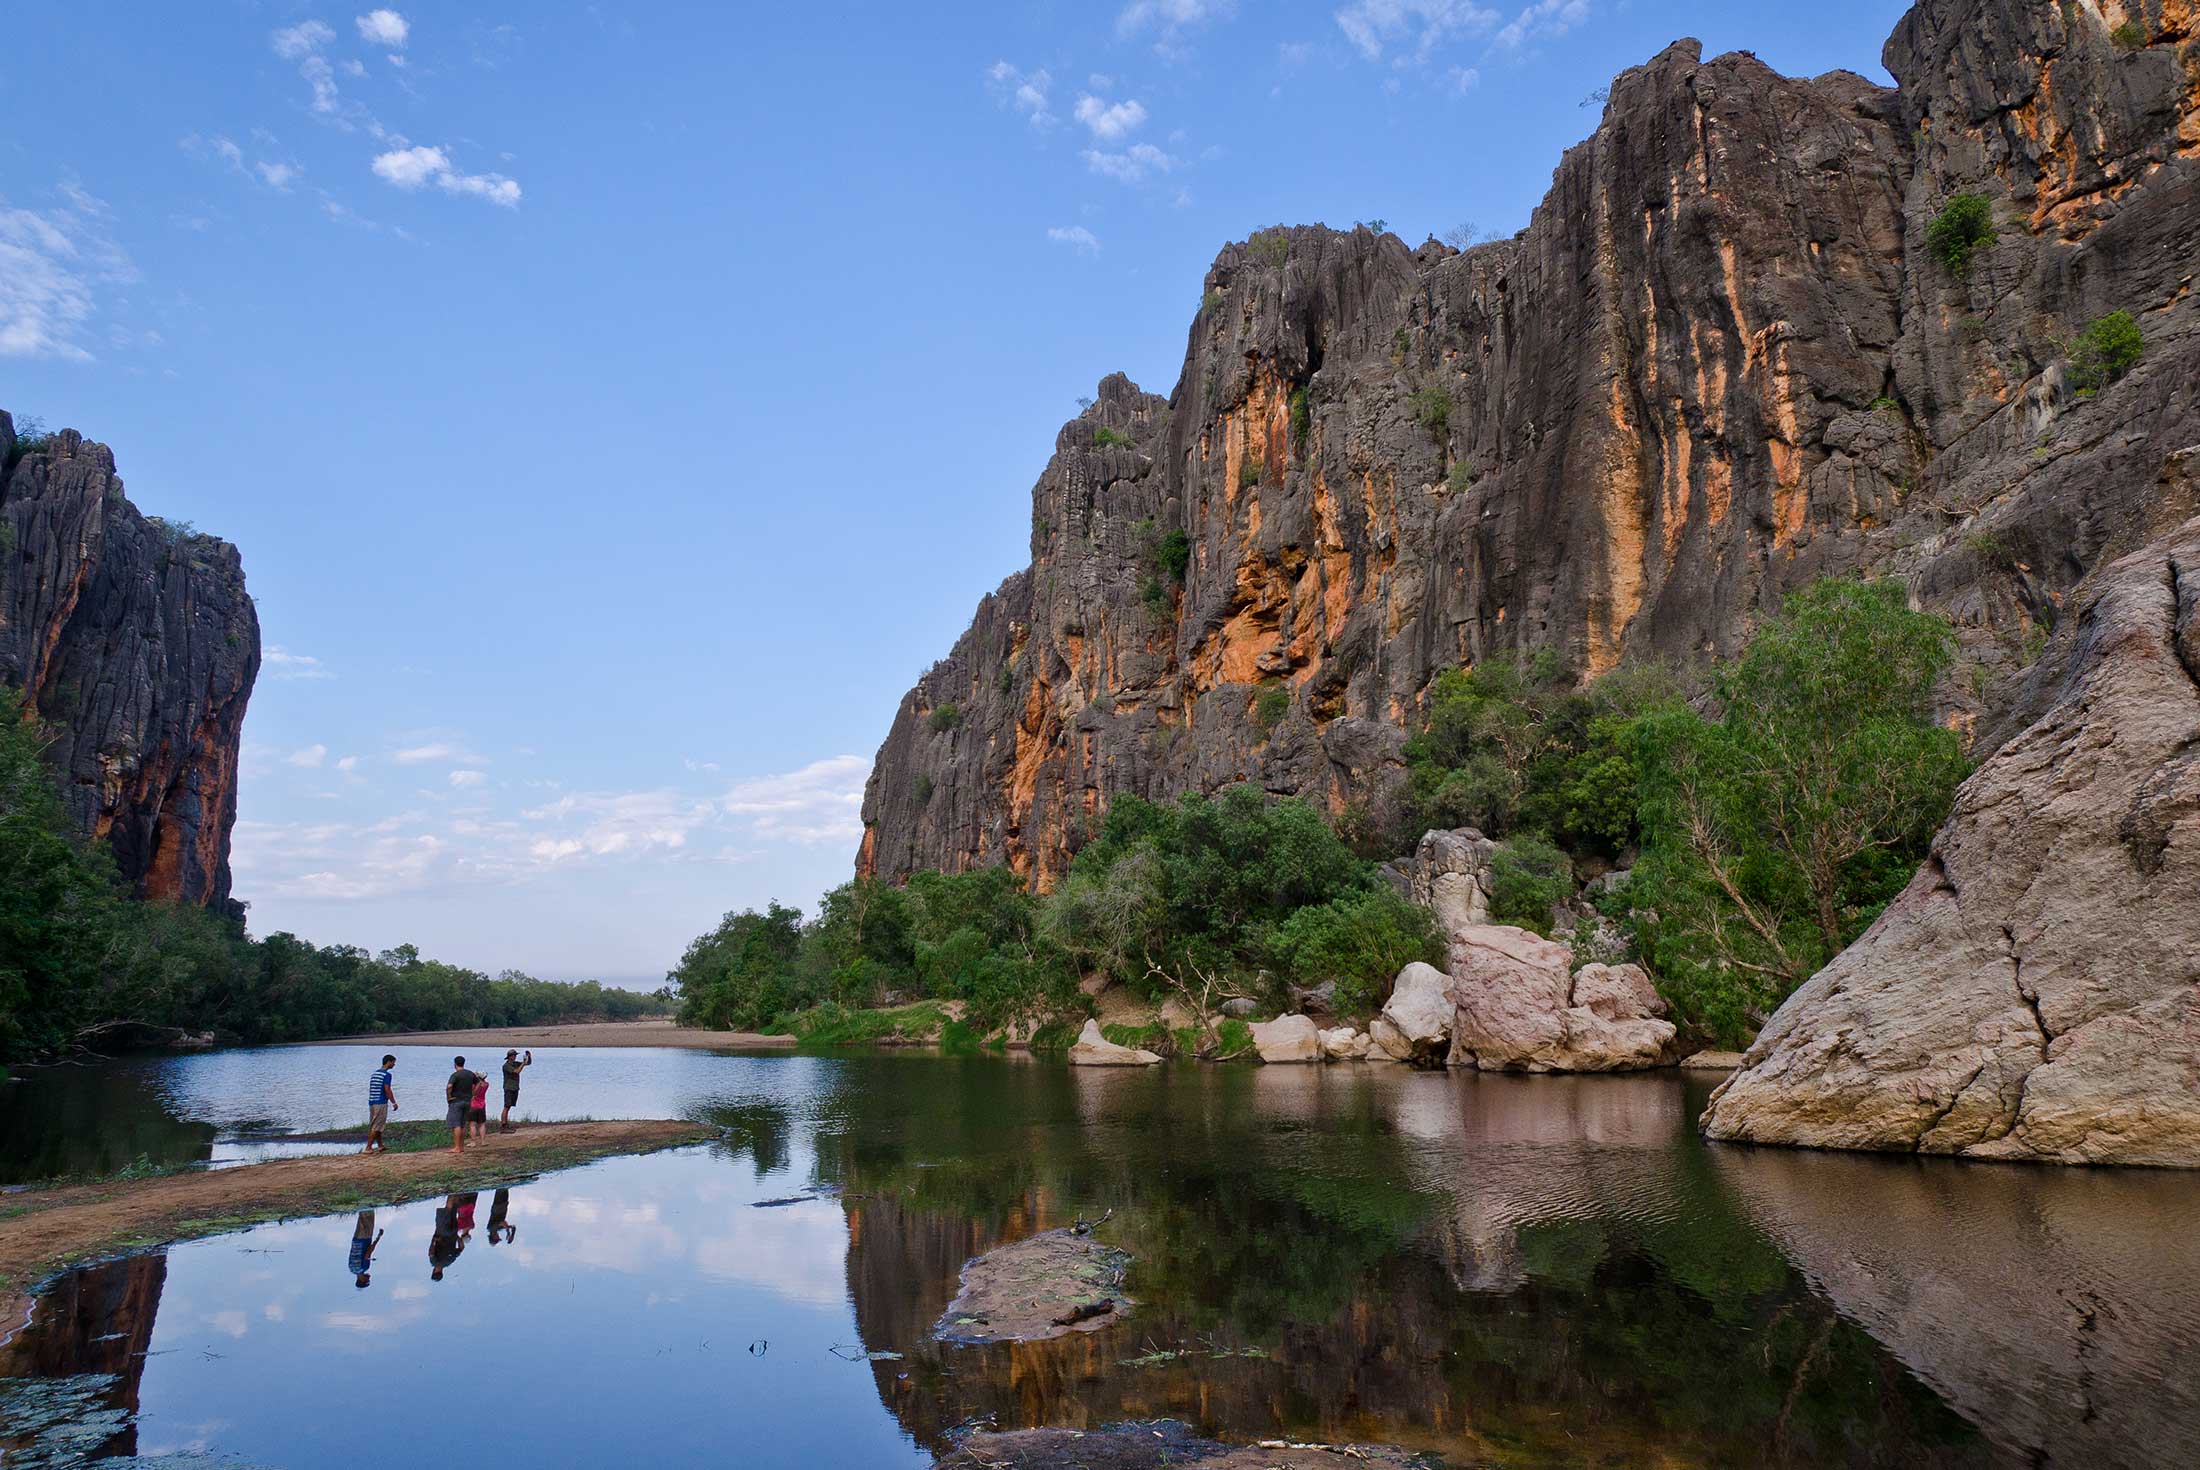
(378, 1114)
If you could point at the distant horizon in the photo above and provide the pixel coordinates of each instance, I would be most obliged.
(609, 448)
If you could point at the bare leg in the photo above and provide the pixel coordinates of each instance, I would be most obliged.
(458, 1139)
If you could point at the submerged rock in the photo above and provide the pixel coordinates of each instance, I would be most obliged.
(2031, 994)
(1042, 1286)
(1091, 1049)
(1151, 1445)
(1287, 1039)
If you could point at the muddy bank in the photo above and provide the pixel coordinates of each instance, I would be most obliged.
(43, 1231)
(579, 1033)
(1039, 1287)
(1151, 1445)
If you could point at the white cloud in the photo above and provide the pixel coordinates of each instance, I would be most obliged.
(276, 175)
(295, 42)
(1170, 15)
(310, 757)
(284, 664)
(1132, 164)
(821, 802)
(1077, 235)
(468, 778)
(411, 168)
(1371, 25)
(1541, 19)
(416, 755)
(1026, 92)
(383, 28)
(52, 263)
(1110, 120)
(609, 823)
(1465, 79)
(348, 764)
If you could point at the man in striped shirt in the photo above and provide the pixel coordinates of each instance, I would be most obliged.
(381, 1097)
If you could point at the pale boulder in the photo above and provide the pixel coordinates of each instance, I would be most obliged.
(1416, 1021)
(1522, 1008)
(1091, 1049)
(1287, 1039)
(1343, 1044)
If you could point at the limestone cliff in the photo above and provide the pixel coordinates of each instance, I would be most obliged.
(1718, 362)
(137, 646)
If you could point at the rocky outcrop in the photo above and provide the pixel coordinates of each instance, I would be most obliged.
(1037, 1288)
(1287, 1039)
(1524, 1008)
(1718, 362)
(135, 643)
(1091, 1049)
(1449, 875)
(2035, 992)
(1415, 1024)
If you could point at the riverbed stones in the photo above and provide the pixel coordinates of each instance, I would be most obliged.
(1415, 1025)
(1344, 1044)
(1045, 1285)
(1523, 1008)
(2034, 994)
(1287, 1039)
(1091, 1049)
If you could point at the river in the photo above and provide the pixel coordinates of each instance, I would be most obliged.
(1495, 1270)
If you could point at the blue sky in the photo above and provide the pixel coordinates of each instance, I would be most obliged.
(619, 405)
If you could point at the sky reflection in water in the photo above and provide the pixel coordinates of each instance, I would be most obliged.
(1512, 1271)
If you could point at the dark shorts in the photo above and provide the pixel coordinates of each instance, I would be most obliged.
(511, 1097)
(477, 1115)
(455, 1115)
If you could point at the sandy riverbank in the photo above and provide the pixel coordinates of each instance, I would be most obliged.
(44, 1231)
(579, 1033)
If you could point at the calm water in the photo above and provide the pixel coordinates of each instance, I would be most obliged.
(1502, 1271)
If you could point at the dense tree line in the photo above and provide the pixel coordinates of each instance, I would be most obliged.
(83, 965)
(1210, 897)
(1759, 817)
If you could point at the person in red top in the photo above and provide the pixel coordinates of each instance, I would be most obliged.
(477, 1112)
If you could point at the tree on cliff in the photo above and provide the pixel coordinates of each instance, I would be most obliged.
(1775, 833)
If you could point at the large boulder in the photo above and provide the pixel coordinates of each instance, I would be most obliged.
(1343, 1044)
(1415, 1025)
(1091, 1049)
(1522, 1008)
(1287, 1039)
(1449, 875)
(2032, 994)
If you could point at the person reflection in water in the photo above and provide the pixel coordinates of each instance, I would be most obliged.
(364, 1238)
(454, 1224)
(498, 1208)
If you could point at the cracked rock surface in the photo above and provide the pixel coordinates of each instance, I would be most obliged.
(2035, 992)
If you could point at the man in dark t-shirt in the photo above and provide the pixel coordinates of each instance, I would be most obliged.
(514, 1064)
(458, 1096)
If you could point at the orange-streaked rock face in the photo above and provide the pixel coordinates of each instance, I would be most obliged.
(1719, 362)
(138, 649)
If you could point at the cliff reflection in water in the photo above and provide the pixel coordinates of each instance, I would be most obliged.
(97, 1320)
(2053, 1307)
(1536, 1270)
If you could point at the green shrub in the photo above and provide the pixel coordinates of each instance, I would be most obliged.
(1376, 226)
(1459, 479)
(1401, 343)
(1884, 404)
(922, 788)
(1006, 679)
(1431, 405)
(1361, 940)
(2106, 350)
(1987, 546)
(1233, 1038)
(1251, 470)
(1107, 438)
(1270, 247)
(1302, 418)
(945, 717)
(1529, 878)
(1270, 706)
(1964, 226)
(2129, 36)
(1176, 555)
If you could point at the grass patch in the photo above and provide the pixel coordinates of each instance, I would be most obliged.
(837, 1025)
(1233, 1038)
(1107, 438)
(1054, 1036)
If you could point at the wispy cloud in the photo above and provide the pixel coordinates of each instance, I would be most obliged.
(1544, 18)
(1110, 120)
(468, 778)
(821, 802)
(438, 751)
(1022, 91)
(1373, 26)
(1132, 165)
(1084, 240)
(310, 757)
(294, 43)
(415, 167)
(283, 664)
(385, 28)
(52, 264)
(1170, 21)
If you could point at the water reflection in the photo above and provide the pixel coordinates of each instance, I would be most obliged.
(1516, 1271)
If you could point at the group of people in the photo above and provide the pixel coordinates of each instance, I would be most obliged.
(454, 1227)
(465, 1100)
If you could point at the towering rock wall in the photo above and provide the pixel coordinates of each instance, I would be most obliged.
(137, 646)
(1720, 361)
